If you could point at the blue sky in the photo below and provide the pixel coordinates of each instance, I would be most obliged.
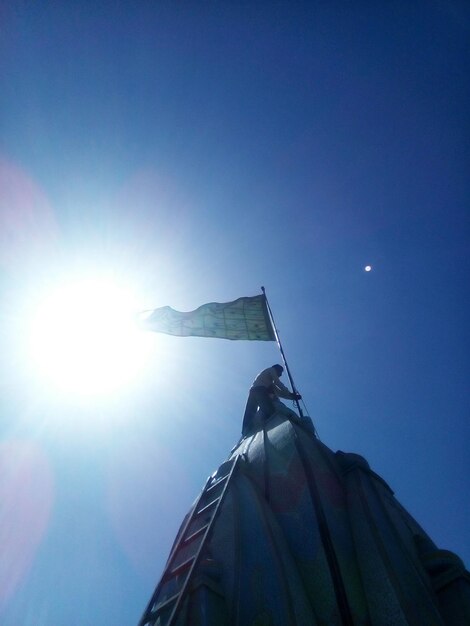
(196, 151)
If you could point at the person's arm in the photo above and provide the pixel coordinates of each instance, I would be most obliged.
(281, 390)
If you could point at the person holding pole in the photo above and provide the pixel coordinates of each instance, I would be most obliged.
(264, 387)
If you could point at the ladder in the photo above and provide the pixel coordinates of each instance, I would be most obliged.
(167, 599)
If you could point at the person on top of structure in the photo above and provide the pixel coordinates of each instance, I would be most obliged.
(265, 386)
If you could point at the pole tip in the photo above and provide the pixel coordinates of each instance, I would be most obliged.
(262, 288)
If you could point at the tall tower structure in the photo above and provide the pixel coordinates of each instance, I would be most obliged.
(289, 533)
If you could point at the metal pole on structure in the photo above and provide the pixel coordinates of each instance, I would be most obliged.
(276, 334)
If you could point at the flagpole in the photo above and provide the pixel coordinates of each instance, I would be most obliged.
(276, 334)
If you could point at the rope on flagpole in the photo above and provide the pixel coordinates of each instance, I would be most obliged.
(310, 415)
(276, 334)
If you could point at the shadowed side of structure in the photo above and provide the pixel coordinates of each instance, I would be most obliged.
(300, 535)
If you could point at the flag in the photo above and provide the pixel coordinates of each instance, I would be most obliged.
(245, 318)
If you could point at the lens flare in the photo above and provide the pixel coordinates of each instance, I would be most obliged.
(26, 499)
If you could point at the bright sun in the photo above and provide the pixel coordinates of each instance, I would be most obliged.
(84, 339)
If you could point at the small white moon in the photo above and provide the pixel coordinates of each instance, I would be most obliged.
(368, 268)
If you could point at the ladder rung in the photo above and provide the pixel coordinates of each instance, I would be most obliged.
(217, 483)
(181, 567)
(169, 574)
(195, 534)
(207, 507)
(164, 605)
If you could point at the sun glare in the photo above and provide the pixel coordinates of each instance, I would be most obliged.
(84, 339)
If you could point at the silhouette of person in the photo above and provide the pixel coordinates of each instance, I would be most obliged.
(264, 387)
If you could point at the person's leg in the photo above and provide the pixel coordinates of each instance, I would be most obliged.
(265, 403)
(250, 411)
(304, 421)
(280, 407)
